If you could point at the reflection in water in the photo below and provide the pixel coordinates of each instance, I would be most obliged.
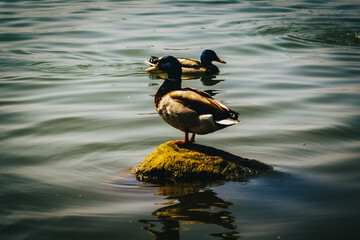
(162, 75)
(205, 80)
(190, 204)
(210, 80)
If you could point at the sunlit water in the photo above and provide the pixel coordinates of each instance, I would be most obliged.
(76, 114)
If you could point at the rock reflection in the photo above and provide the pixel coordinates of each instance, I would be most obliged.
(190, 203)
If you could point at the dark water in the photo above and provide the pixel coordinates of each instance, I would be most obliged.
(76, 114)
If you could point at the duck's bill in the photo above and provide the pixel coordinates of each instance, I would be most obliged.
(152, 68)
(220, 60)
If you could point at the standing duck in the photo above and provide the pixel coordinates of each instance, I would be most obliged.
(194, 67)
(188, 109)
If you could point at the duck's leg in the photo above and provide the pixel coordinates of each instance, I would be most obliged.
(186, 137)
(185, 141)
(192, 139)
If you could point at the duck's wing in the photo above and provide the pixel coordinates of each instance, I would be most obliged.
(202, 103)
(202, 93)
(189, 63)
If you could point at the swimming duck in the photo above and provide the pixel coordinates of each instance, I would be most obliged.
(194, 67)
(188, 109)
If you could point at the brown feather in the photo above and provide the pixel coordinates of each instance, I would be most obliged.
(188, 62)
(202, 93)
(200, 102)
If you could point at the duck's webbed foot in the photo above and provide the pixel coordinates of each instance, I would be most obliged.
(186, 140)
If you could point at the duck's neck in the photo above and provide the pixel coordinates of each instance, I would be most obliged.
(168, 86)
(205, 61)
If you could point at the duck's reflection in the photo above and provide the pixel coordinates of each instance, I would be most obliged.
(210, 80)
(190, 204)
(205, 80)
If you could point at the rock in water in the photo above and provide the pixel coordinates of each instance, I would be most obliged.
(173, 162)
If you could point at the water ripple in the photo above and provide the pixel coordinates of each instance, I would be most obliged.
(76, 114)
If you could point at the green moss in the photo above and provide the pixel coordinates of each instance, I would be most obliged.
(178, 163)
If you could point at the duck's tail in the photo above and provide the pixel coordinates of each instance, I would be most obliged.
(231, 120)
(234, 115)
(153, 60)
(227, 122)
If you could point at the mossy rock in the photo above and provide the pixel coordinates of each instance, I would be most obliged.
(174, 162)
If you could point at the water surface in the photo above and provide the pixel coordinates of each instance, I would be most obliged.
(76, 114)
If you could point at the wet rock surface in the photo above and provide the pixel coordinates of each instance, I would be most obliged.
(175, 162)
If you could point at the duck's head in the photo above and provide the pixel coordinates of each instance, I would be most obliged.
(208, 56)
(170, 65)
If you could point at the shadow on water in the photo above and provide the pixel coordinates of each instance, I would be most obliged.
(190, 204)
